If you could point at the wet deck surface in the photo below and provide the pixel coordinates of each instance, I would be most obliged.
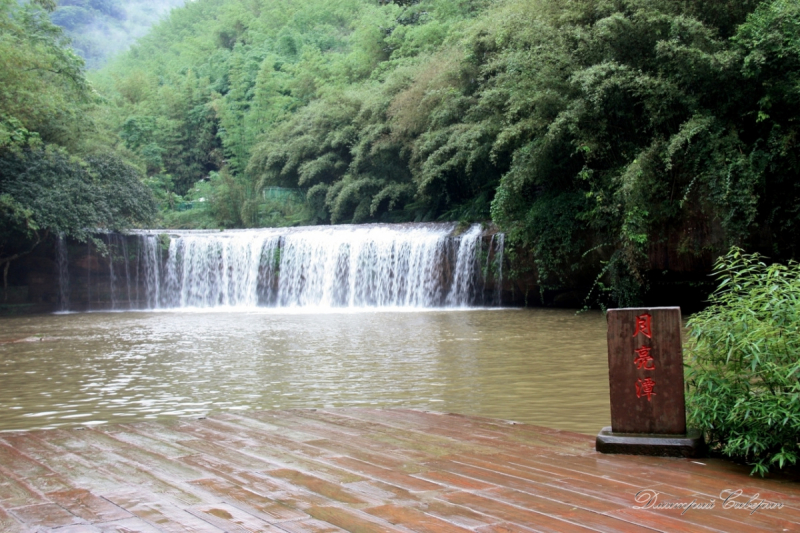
(360, 470)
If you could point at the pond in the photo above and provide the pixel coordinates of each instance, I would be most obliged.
(544, 367)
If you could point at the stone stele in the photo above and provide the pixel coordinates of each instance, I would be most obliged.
(645, 368)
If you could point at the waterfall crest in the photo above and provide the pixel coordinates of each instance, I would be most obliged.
(377, 265)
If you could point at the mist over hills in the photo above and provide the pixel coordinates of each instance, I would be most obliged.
(99, 29)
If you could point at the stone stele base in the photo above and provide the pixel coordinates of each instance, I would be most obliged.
(689, 445)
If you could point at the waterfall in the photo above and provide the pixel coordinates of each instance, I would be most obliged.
(126, 261)
(464, 279)
(63, 273)
(399, 265)
(150, 259)
(112, 278)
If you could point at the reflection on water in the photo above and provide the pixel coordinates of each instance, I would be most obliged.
(543, 367)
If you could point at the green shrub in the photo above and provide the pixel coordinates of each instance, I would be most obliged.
(744, 363)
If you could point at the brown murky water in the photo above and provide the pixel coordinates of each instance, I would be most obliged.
(543, 367)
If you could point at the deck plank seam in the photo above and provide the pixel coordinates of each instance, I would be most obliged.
(486, 493)
(533, 511)
(563, 502)
(442, 438)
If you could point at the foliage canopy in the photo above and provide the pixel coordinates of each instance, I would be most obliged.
(591, 131)
(56, 177)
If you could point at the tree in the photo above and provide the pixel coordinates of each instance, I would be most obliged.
(51, 181)
(43, 86)
(48, 192)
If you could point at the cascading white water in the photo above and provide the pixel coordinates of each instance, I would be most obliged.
(150, 260)
(112, 277)
(464, 280)
(398, 265)
(207, 270)
(374, 266)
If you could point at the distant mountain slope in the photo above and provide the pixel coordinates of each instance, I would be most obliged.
(100, 29)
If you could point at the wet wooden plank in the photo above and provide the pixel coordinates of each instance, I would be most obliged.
(36, 474)
(415, 519)
(593, 498)
(724, 521)
(8, 523)
(129, 525)
(707, 468)
(263, 507)
(46, 515)
(542, 519)
(780, 493)
(569, 483)
(505, 527)
(419, 442)
(129, 435)
(80, 528)
(326, 441)
(296, 432)
(350, 520)
(160, 513)
(171, 468)
(281, 491)
(67, 464)
(468, 430)
(458, 514)
(317, 485)
(358, 470)
(384, 474)
(671, 484)
(311, 526)
(324, 467)
(374, 490)
(88, 506)
(232, 519)
(535, 485)
(16, 493)
(321, 442)
(600, 465)
(220, 468)
(575, 511)
(228, 455)
(150, 480)
(454, 481)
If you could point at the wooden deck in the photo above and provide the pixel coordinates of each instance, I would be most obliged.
(359, 470)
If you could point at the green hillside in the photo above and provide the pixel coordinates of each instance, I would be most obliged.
(614, 139)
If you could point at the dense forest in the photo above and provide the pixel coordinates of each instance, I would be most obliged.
(58, 174)
(592, 132)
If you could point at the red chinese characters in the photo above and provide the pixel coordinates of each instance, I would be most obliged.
(643, 323)
(644, 387)
(644, 361)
